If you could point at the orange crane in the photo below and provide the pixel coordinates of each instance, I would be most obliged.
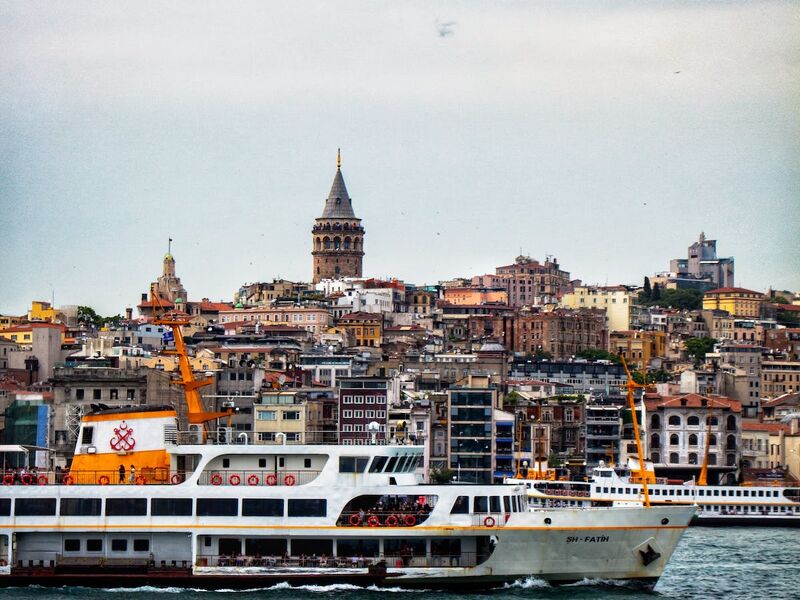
(702, 479)
(642, 472)
(197, 413)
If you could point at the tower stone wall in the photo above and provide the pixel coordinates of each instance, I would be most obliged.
(337, 237)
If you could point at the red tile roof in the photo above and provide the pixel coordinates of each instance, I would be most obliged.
(36, 325)
(766, 427)
(732, 290)
(693, 401)
(215, 306)
(792, 398)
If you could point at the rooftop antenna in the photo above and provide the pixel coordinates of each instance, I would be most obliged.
(169, 246)
(338, 158)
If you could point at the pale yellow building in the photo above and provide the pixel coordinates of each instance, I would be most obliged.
(286, 417)
(616, 301)
(738, 302)
(41, 311)
(638, 347)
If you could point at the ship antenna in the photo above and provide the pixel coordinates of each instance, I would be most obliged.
(631, 385)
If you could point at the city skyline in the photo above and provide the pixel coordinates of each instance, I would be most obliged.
(608, 136)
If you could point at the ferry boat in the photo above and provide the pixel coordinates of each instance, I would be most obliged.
(719, 505)
(143, 503)
(201, 514)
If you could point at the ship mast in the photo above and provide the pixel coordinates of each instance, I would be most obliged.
(702, 479)
(191, 386)
(632, 385)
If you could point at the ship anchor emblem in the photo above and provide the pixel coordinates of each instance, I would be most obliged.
(123, 438)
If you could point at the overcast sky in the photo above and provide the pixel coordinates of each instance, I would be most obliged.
(606, 134)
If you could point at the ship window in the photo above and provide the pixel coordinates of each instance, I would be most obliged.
(262, 463)
(269, 547)
(377, 464)
(171, 507)
(5, 507)
(390, 465)
(80, 507)
(226, 463)
(307, 463)
(72, 545)
(308, 508)
(262, 507)
(605, 490)
(35, 507)
(94, 545)
(86, 435)
(141, 545)
(281, 462)
(217, 507)
(126, 507)
(119, 545)
(352, 464)
(481, 504)
(460, 506)
(506, 504)
(494, 504)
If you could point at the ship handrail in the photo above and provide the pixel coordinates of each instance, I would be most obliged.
(257, 477)
(386, 518)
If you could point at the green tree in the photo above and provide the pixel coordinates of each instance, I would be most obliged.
(512, 398)
(597, 354)
(441, 476)
(648, 291)
(88, 316)
(697, 348)
(778, 300)
(680, 299)
(657, 376)
(656, 293)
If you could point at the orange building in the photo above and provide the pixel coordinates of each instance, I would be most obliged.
(364, 329)
(638, 347)
(474, 296)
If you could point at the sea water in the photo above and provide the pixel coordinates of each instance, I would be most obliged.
(729, 563)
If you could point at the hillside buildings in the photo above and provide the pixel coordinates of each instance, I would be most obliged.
(701, 269)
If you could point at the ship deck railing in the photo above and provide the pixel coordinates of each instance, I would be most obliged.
(389, 518)
(402, 559)
(258, 477)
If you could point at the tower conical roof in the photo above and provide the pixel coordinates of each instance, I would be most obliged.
(338, 205)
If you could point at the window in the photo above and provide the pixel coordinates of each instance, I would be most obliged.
(126, 507)
(5, 507)
(35, 507)
(262, 507)
(94, 545)
(460, 506)
(673, 457)
(217, 507)
(87, 435)
(377, 464)
(72, 545)
(353, 464)
(266, 415)
(291, 415)
(119, 545)
(96, 394)
(293, 437)
(693, 420)
(693, 440)
(673, 439)
(308, 508)
(307, 463)
(266, 436)
(171, 507)
(481, 504)
(80, 507)
(141, 545)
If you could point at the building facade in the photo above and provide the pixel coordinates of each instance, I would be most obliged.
(337, 237)
(528, 282)
(616, 301)
(738, 302)
(362, 401)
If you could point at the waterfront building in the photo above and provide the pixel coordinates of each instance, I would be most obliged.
(337, 236)
(474, 413)
(364, 400)
(677, 430)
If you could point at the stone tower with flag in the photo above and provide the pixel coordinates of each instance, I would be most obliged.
(337, 236)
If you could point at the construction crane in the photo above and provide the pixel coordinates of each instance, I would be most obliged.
(643, 476)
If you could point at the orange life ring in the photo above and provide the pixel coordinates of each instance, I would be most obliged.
(373, 521)
(391, 521)
(26, 479)
(42, 480)
(489, 521)
(289, 480)
(355, 520)
(271, 479)
(104, 480)
(252, 480)
(140, 480)
(68, 480)
(410, 520)
(216, 479)
(234, 480)
(8, 479)
(176, 478)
